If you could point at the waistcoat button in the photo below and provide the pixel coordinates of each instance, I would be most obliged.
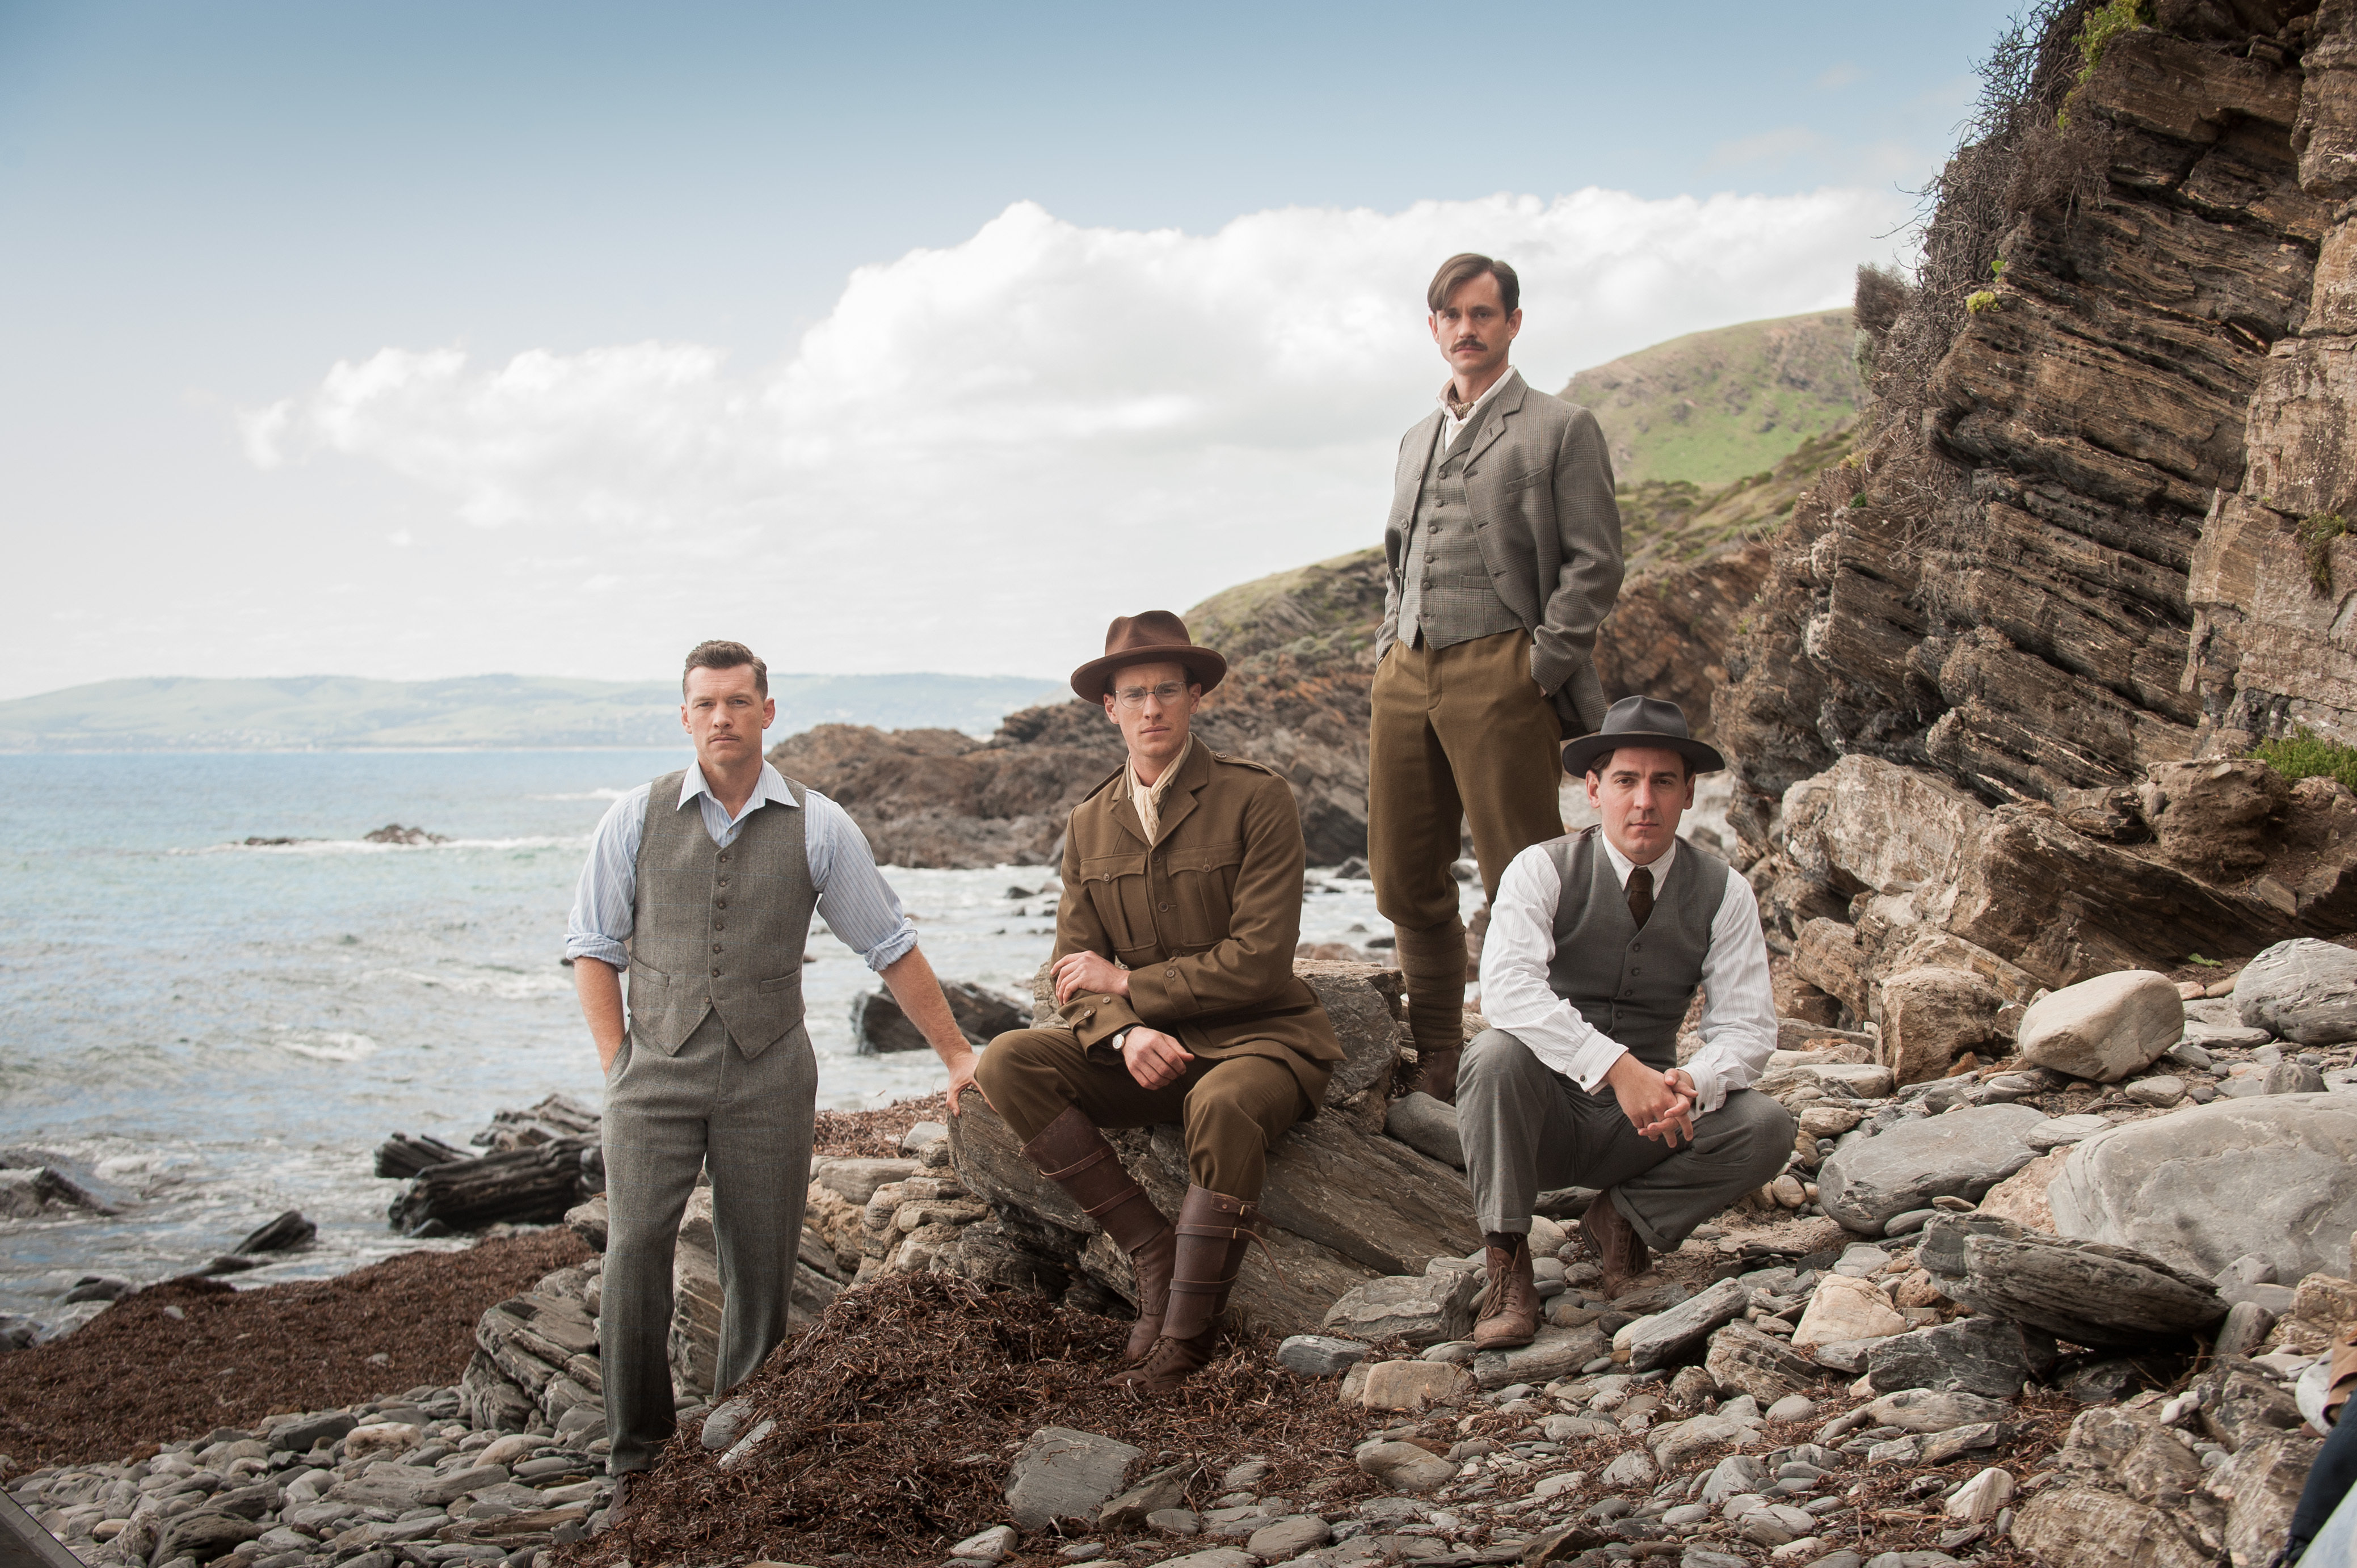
(724, 857)
(716, 973)
(715, 947)
(723, 882)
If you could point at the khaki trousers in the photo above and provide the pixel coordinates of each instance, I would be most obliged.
(1233, 1109)
(1458, 734)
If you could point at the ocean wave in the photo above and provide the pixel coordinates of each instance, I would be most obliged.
(331, 1046)
(506, 986)
(361, 846)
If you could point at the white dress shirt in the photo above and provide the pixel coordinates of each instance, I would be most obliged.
(1739, 1016)
(1451, 428)
(857, 905)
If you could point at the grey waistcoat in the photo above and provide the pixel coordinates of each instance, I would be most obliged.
(1445, 593)
(720, 931)
(1634, 985)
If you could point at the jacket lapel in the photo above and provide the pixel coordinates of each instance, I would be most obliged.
(1180, 803)
(1508, 402)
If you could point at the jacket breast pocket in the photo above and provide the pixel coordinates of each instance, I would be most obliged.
(1529, 479)
(1112, 883)
(1203, 887)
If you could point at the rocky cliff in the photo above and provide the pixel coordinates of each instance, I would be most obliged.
(1989, 706)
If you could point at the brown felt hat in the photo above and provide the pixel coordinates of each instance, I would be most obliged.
(1642, 722)
(1152, 636)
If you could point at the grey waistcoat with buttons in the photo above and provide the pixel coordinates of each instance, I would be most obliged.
(720, 931)
(1445, 593)
(1634, 985)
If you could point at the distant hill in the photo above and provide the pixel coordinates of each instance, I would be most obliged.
(474, 711)
(1713, 407)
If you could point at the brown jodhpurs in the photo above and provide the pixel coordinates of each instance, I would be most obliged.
(1232, 1109)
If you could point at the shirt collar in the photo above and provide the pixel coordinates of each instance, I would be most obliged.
(1478, 404)
(1623, 865)
(770, 787)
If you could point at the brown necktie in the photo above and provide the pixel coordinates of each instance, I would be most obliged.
(1641, 895)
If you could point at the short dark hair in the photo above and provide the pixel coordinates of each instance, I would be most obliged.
(1603, 759)
(719, 654)
(1463, 268)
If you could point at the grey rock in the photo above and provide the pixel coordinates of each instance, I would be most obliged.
(1059, 1473)
(1555, 1353)
(1217, 1557)
(1704, 1557)
(1426, 1125)
(1404, 1466)
(2260, 1486)
(2240, 1405)
(1320, 1355)
(2056, 1131)
(1979, 1355)
(2104, 1029)
(1959, 1155)
(1175, 1522)
(1734, 1476)
(2304, 990)
(1243, 1475)
(1665, 1338)
(2090, 1292)
(726, 1424)
(2275, 1176)
(1909, 1560)
(2162, 1090)
(1633, 1468)
(1924, 1409)
(1423, 1309)
(855, 1179)
(1742, 1360)
(1289, 1536)
(1858, 1260)
(2246, 1325)
(1942, 1446)
(1154, 1493)
(301, 1433)
(985, 1546)
(1902, 1224)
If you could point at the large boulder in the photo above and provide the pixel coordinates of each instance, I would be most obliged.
(2275, 1176)
(1866, 824)
(2088, 1292)
(2104, 1028)
(2303, 990)
(1931, 1016)
(1959, 1155)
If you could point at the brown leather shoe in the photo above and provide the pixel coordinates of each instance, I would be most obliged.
(1213, 1230)
(624, 1504)
(1073, 1154)
(1620, 1255)
(1509, 1312)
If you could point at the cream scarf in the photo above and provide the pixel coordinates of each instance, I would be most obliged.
(1147, 798)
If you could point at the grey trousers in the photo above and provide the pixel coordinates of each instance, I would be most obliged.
(1527, 1129)
(668, 1118)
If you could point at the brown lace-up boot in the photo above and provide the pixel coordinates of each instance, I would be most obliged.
(1434, 963)
(1073, 1154)
(1213, 1230)
(1509, 1312)
(1620, 1254)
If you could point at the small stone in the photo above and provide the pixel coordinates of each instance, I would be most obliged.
(1978, 1355)
(985, 1546)
(1243, 1475)
(1978, 1499)
(1289, 1536)
(1081, 1551)
(2056, 1131)
(1633, 1468)
(1175, 1522)
(1846, 1309)
(1319, 1355)
(1423, 1309)
(1404, 1467)
(1415, 1385)
(1859, 1261)
(1900, 1224)
(1924, 1409)
(1428, 1126)
(1794, 1407)
(1943, 1446)
(721, 1428)
(1059, 1473)
(2104, 1029)
(2161, 1092)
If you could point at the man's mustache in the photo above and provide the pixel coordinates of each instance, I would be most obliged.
(1470, 343)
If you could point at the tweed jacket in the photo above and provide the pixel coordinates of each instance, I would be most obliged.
(1205, 920)
(1538, 480)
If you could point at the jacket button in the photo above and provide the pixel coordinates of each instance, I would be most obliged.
(716, 973)
(724, 857)
(1169, 975)
(721, 903)
(723, 882)
(715, 947)
(1166, 908)
(719, 924)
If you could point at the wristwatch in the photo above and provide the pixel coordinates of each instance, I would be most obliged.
(1120, 1035)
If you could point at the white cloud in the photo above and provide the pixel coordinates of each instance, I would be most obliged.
(985, 451)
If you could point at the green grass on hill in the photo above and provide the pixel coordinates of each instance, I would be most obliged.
(1712, 407)
(1668, 522)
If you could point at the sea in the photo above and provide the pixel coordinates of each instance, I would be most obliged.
(206, 1031)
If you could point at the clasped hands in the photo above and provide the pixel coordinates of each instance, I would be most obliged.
(1658, 1105)
(1153, 1058)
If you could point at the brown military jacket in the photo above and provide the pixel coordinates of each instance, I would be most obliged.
(1205, 920)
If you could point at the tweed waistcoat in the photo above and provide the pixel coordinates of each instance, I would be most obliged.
(720, 931)
(1632, 984)
(1445, 593)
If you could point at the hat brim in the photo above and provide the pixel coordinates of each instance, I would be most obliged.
(1092, 680)
(1579, 754)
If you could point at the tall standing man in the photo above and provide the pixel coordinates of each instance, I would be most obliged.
(1176, 994)
(701, 885)
(1504, 547)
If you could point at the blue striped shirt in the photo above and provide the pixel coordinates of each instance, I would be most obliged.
(857, 905)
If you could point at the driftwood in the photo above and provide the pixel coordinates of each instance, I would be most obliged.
(523, 1187)
(404, 1156)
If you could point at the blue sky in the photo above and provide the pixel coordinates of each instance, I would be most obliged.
(205, 209)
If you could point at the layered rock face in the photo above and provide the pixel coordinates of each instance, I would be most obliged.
(1988, 709)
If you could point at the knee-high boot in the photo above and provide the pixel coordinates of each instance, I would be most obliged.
(1434, 962)
(1213, 1230)
(1073, 1154)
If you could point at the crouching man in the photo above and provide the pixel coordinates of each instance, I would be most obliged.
(1176, 996)
(1598, 942)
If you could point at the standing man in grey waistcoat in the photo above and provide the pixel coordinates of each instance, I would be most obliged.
(1598, 942)
(1504, 548)
(702, 884)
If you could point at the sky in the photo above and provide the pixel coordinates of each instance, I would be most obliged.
(433, 339)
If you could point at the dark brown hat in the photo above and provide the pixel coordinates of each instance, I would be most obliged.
(1150, 637)
(1641, 722)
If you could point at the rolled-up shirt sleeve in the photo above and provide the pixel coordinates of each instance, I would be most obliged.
(1515, 994)
(857, 905)
(599, 924)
